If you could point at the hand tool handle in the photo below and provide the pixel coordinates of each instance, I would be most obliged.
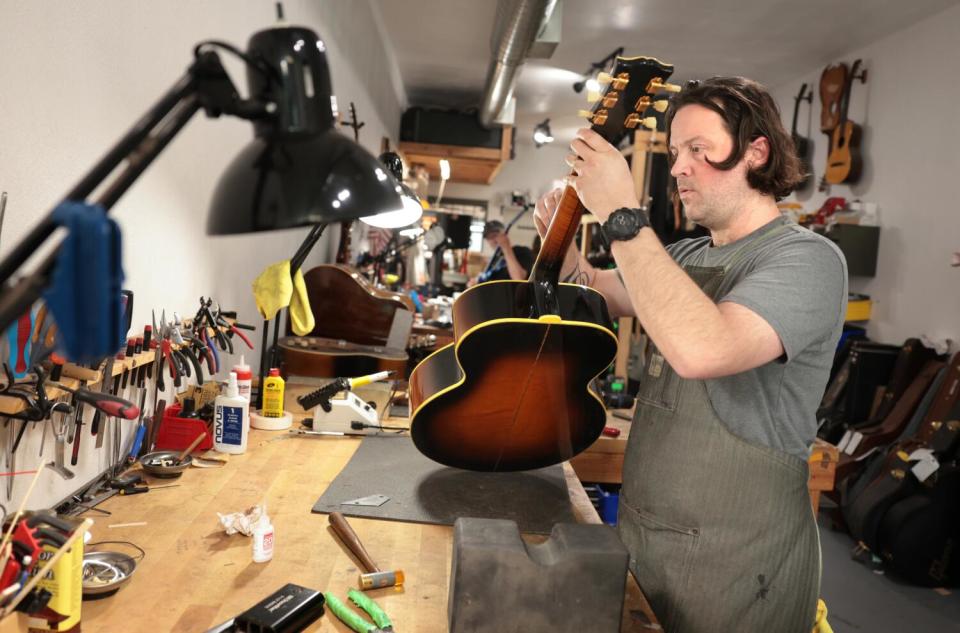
(133, 490)
(109, 404)
(343, 530)
(193, 445)
(243, 337)
(148, 344)
(377, 614)
(347, 615)
(76, 443)
(158, 412)
(137, 442)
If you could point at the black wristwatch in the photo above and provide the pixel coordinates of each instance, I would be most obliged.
(624, 224)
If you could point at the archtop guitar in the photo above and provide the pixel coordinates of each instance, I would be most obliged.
(514, 389)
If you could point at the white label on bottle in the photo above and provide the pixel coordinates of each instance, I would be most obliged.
(228, 425)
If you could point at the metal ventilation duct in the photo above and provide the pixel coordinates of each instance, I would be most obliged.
(517, 25)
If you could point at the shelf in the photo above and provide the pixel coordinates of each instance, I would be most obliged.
(72, 375)
(476, 165)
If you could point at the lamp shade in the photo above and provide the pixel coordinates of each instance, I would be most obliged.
(298, 170)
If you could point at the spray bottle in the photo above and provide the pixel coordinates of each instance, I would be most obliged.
(231, 420)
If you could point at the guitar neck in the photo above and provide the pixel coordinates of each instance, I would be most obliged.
(560, 234)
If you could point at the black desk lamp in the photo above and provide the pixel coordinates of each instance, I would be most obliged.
(296, 172)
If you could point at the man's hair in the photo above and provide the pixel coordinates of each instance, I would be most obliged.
(748, 112)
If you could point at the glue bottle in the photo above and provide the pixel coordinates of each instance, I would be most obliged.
(263, 538)
(273, 395)
(231, 420)
(244, 378)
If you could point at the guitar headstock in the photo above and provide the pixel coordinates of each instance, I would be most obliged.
(631, 88)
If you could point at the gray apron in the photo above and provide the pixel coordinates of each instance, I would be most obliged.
(721, 532)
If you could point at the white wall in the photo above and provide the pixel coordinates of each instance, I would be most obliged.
(75, 76)
(911, 165)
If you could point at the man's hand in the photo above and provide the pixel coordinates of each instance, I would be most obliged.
(502, 240)
(545, 210)
(601, 176)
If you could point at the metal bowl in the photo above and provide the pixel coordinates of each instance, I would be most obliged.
(164, 464)
(104, 572)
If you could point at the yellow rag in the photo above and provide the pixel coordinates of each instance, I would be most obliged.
(273, 290)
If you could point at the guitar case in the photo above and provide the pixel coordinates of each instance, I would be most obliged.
(849, 398)
(919, 534)
(911, 358)
(867, 511)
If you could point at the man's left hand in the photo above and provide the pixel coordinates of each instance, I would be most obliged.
(601, 176)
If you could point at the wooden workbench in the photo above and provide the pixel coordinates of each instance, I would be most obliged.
(603, 461)
(194, 576)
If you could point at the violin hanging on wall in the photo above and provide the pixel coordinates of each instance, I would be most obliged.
(513, 391)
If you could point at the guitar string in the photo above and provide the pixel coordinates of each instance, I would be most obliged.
(523, 393)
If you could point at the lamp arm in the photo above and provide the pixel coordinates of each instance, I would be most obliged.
(205, 85)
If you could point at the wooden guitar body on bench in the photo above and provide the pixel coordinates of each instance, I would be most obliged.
(347, 306)
(513, 391)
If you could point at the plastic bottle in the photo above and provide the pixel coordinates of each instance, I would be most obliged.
(263, 538)
(273, 395)
(244, 378)
(231, 420)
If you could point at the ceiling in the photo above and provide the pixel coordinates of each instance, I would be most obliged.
(442, 47)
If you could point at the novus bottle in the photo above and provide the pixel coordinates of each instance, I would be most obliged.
(231, 420)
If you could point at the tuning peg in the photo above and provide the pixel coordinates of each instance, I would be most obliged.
(661, 105)
(619, 82)
(593, 96)
(610, 99)
(597, 118)
(633, 120)
(657, 84)
(585, 114)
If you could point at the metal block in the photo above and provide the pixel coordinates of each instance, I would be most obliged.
(572, 582)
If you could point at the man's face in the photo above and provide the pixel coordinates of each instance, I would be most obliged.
(710, 196)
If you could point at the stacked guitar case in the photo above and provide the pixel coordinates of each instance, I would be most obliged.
(903, 503)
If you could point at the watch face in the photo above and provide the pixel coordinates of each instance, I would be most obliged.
(621, 224)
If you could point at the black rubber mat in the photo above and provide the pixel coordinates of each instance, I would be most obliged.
(423, 491)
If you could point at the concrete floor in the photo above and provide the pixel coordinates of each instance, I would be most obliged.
(860, 600)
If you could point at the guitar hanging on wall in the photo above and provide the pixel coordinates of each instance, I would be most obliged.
(513, 391)
(802, 143)
(844, 163)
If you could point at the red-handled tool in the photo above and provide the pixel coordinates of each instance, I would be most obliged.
(104, 402)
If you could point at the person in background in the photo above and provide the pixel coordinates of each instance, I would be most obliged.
(508, 261)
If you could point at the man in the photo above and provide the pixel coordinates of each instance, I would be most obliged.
(743, 325)
(507, 261)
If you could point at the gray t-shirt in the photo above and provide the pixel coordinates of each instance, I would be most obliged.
(797, 281)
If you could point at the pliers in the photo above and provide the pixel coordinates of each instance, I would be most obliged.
(381, 623)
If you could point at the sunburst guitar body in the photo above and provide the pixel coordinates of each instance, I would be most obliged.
(514, 391)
